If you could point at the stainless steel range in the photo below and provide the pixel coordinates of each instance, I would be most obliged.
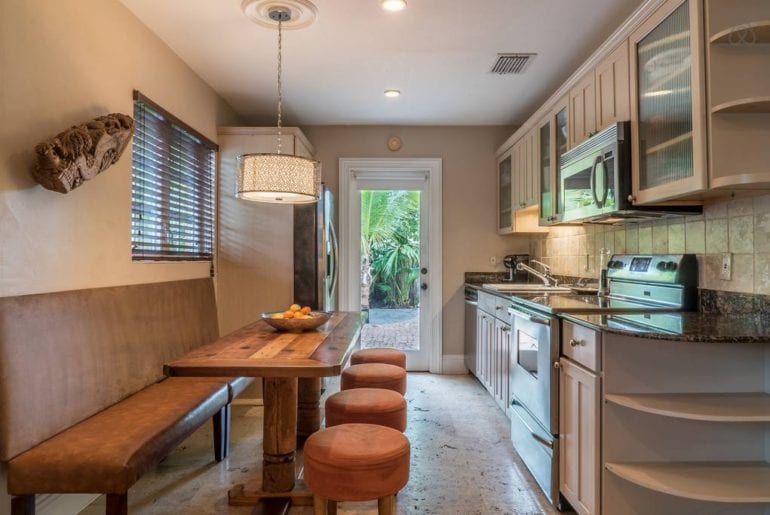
(638, 284)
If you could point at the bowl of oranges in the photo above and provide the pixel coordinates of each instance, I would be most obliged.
(296, 318)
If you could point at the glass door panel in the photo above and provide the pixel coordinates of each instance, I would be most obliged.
(505, 218)
(546, 208)
(665, 101)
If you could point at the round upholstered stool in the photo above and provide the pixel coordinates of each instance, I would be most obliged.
(356, 462)
(367, 406)
(389, 356)
(374, 375)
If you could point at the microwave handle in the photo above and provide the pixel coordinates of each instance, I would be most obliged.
(599, 203)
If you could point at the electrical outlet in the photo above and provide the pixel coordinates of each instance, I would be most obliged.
(726, 270)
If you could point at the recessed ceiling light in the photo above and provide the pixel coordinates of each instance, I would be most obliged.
(392, 93)
(393, 5)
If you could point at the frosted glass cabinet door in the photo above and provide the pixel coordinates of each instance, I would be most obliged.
(504, 194)
(668, 103)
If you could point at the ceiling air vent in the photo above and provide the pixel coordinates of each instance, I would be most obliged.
(512, 63)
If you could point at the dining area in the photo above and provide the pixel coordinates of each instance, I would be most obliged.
(160, 341)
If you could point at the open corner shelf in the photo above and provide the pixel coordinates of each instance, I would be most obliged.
(734, 407)
(744, 105)
(726, 482)
(760, 30)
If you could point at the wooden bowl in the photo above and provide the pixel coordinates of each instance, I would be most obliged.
(318, 319)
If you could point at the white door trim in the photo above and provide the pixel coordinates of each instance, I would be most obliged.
(400, 168)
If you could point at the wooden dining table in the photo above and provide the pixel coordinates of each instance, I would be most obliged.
(283, 360)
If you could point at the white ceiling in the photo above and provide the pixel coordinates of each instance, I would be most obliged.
(437, 52)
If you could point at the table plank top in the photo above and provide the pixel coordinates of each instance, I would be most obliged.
(258, 350)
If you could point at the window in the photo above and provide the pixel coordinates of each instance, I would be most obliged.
(172, 187)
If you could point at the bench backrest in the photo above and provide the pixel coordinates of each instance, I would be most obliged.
(65, 356)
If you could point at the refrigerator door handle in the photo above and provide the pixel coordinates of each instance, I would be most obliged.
(335, 253)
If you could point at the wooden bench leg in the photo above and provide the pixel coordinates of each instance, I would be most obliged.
(386, 505)
(23, 505)
(117, 504)
(221, 423)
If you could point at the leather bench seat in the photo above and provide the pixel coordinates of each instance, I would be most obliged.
(235, 385)
(367, 406)
(109, 451)
(379, 355)
(374, 375)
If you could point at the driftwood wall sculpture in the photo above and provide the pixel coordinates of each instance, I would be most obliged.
(82, 152)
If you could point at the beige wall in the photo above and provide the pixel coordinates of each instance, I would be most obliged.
(62, 65)
(469, 190)
(740, 226)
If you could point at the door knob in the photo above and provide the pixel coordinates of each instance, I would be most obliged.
(423, 270)
(424, 286)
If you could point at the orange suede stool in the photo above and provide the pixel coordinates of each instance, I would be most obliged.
(388, 356)
(367, 406)
(356, 462)
(374, 375)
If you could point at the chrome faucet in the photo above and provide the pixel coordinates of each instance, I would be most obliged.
(544, 276)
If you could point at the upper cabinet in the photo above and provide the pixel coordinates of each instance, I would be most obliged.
(668, 117)
(613, 101)
(738, 50)
(504, 193)
(582, 110)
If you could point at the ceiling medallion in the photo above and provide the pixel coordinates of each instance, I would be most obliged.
(302, 13)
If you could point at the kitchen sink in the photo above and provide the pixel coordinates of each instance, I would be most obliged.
(525, 288)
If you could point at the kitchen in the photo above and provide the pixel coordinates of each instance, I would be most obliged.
(729, 238)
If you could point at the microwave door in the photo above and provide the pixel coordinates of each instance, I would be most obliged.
(576, 182)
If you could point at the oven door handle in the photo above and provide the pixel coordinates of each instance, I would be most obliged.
(528, 317)
(539, 439)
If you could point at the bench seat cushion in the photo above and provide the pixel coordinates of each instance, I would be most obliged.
(236, 385)
(108, 452)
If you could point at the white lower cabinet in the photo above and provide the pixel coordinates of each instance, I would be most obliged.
(579, 437)
(493, 337)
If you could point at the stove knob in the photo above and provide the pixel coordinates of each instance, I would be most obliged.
(671, 266)
(661, 266)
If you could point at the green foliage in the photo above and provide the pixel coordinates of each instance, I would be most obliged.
(390, 248)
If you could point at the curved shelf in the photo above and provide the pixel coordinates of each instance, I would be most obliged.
(726, 482)
(744, 105)
(732, 407)
(760, 29)
(740, 181)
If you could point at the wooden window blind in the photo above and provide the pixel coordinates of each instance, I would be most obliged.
(172, 187)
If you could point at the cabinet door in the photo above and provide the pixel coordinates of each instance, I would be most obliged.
(668, 103)
(531, 169)
(612, 89)
(480, 318)
(560, 144)
(582, 111)
(544, 171)
(579, 426)
(505, 364)
(504, 192)
(489, 337)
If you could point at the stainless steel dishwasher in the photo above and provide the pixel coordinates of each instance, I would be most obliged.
(471, 304)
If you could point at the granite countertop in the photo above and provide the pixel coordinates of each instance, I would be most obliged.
(688, 326)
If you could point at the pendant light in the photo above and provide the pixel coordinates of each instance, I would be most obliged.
(278, 177)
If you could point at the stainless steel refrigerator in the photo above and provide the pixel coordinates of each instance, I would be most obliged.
(315, 253)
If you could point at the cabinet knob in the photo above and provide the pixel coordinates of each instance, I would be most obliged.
(574, 343)
(556, 365)
(632, 199)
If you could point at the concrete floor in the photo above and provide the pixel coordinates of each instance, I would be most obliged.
(462, 461)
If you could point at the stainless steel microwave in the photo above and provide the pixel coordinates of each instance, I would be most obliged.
(594, 182)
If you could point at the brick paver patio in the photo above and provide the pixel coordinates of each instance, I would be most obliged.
(394, 328)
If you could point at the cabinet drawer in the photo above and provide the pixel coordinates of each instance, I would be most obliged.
(487, 302)
(582, 345)
(501, 310)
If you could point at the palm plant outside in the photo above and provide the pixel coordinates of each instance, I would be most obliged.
(390, 248)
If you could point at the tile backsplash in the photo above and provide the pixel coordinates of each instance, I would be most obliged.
(740, 226)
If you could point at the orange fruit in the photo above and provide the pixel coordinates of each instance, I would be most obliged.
(288, 314)
(276, 315)
(306, 310)
(294, 307)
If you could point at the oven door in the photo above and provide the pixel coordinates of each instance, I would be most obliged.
(534, 380)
